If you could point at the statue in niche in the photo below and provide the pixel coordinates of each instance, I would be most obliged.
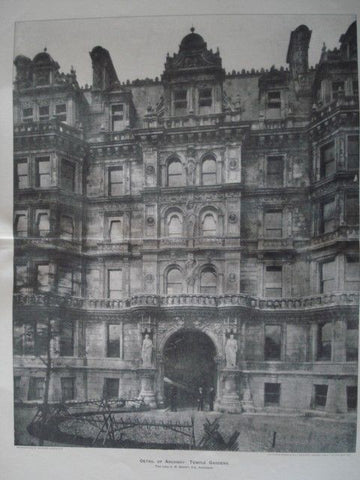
(190, 269)
(231, 348)
(190, 219)
(191, 172)
(146, 351)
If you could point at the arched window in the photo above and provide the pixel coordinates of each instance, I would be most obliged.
(209, 171)
(115, 232)
(175, 173)
(209, 225)
(173, 282)
(208, 281)
(42, 224)
(174, 225)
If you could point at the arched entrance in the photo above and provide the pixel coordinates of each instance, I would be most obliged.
(189, 362)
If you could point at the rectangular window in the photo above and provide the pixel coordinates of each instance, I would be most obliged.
(44, 113)
(113, 343)
(27, 115)
(272, 349)
(352, 274)
(65, 281)
(18, 339)
(273, 281)
(20, 277)
(17, 387)
(36, 388)
(328, 216)
(275, 171)
(180, 102)
(115, 230)
(67, 175)
(67, 388)
(324, 341)
(355, 88)
(22, 174)
(116, 181)
(20, 225)
(274, 99)
(42, 277)
(60, 112)
(111, 388)
(327, 277)
(41, 338)
(271, 394)
(117, 117)
(42, 223)
(352, 210)
(205, 100)
(43, 172)
(337, 89)
(66, 334)
(352, 340)
(273, 224)
(66, 227)
(115, 284)
(42, 77)
(327, 160)
(353, 152)
(351, 397)
(29, 338)
(320, 396)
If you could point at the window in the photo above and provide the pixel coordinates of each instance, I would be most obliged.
(42, 277)
(353, 152)
(44, 113)
(18, 339)
(20, 276)
(209, 225)
(60, 112)
(273, 224)
(327, 160)
(351, 397)
(42, 224)
(352, 210)
(352, 274)
(351, 340)
(29, 339)
(17, 388)
(273, 281)
(22, 174)
(205, 100)
(36, 388)
(66, 227)
(275, 171)
(43, 172)
(67, 388)
(65, 282)
(111, 388)
(355, 88)
(113, 343)
(180, 102)
(115, 231)
(116, 181)
(271, 394)
(337, 88)
(66, 338)
(274, 99)
(320, 396)
(42, 77)
(27, 115)
(117, 117)
(174, 282)
(175, 173)
(328, 216)
(272, 342)
(174, 225)
(68, 175)
(209, 172)
(208, 281)
(327, 277)
(20, 225)
(324, 341)
(114, 283)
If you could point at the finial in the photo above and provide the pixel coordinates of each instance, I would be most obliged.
(192, 29)
(323, 47)
(45, 49)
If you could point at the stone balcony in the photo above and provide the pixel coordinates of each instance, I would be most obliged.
(341, 234)
(49, 127)
(313, 302)
(275, 243)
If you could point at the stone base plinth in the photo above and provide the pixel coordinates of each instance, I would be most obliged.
(229, 400)
(147, 386)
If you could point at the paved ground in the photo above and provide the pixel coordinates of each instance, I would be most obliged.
(257, 432)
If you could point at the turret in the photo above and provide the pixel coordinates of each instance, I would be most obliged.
(297, 55)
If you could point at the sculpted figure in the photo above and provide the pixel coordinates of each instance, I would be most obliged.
(230, 351)
(146, 351)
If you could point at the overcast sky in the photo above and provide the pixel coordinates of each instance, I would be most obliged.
(138, 45)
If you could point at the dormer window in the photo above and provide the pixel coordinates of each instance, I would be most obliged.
(180, 102)
(274, 99)
(43, 77)
(117, 117)
(205, 100)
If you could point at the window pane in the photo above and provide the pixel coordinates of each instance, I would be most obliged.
(327, 277)
(209, 172)
(29, 339)
(351, 397)
(66, 338)
(324, 341)
(68, 175)
(208, 282)
(352, 210)
(18, 340)
(353, 152)
(174, 282)
(36, 388)
(273, 281)
(271, 393)
(111, 388)
(116, 181)
(351, 341)
(175, 226)
(20, 276)
(275, 171)
(20, 227)
(320, 395)
(272, 342)
(68, 388)
(327, 160)
(22, 179)
(41, 343)
(66, 227)
(65, 281)
(43, 224)
(329, 216)
(42, 277)
(115, 231)
(209, 225)
(115, 283)
(113, 349)
(175, 174)
(273, 224)
(43, 172)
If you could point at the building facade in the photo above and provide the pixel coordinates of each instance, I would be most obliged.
(201, 229)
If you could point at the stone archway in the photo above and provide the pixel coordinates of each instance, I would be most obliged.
(189, 362)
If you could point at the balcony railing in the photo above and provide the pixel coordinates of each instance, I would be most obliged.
(51, 126)
(342, 233)
(275, 243)
(188, 300)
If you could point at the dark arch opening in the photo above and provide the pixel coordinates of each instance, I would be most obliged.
(189, 362)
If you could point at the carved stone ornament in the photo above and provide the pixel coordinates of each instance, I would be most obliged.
(232, 277)
(150, 221)
(149, 169)
(232, 217)
(233, 164)
(149, 278)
